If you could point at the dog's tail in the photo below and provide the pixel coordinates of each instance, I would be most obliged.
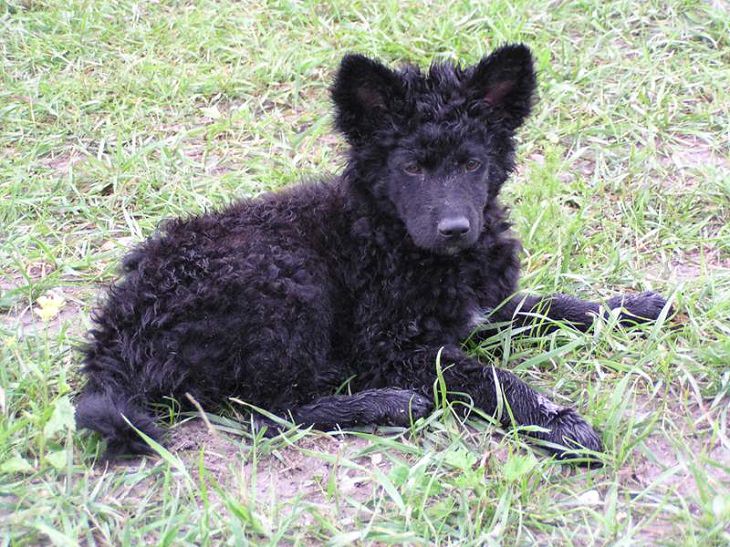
(105, 412)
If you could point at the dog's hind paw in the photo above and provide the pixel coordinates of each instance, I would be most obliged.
(405, 405)
(639, 308)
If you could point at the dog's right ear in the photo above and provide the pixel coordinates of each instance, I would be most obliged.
(365, 92)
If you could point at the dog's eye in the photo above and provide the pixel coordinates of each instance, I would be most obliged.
(472, 165)
(412, 168)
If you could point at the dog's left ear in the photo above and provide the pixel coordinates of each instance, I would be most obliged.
(365, 94)
(505, 83)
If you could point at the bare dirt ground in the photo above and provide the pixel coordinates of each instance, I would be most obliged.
(290, 472)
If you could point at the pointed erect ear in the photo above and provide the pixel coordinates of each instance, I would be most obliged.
(365, 92)
(505, 83)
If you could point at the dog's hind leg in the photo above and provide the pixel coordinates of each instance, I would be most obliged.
(387, 406)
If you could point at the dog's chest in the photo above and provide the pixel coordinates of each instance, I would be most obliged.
(403, 297)
(420, 303)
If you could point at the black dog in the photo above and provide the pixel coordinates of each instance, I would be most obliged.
(281, 299)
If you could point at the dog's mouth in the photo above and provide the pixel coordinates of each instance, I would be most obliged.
(451, 249)
(446, 248)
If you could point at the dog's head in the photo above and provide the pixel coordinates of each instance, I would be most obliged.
(434, 148)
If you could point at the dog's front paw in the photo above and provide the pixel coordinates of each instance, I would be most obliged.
(639, 308)
(572, 438)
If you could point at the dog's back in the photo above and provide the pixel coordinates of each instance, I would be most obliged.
(209, 306)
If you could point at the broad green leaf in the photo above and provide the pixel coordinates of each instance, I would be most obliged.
(57, 459)
(62, 418)
(460, 458)
(16, 464)
(517, 466)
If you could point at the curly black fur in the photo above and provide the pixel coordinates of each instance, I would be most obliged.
(279, 300)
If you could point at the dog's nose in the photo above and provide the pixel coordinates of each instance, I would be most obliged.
(454, 227)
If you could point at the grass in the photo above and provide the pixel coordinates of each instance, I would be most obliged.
(115, 115)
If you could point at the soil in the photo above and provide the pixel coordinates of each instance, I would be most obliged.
(295, 471)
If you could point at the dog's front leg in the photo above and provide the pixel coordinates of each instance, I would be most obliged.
(541, 312)
(501, 394)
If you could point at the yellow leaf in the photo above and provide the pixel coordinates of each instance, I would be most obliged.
(49, 306)
(211, 112)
